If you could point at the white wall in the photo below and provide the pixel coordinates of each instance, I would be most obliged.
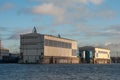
(102, 53)
(54, 51)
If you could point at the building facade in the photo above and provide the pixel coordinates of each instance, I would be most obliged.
(3, 52)
(95, 55)
(42, 48)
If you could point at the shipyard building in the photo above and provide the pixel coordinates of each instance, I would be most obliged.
(3, 53)
(42, 48)
(96, 55)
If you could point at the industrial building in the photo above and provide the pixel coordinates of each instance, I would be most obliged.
(42, 48)
(96, 55)
(3, 52)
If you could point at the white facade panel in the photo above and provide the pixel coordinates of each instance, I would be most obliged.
(60, 47)
(102, 53)
(83, 54)
(53, 51)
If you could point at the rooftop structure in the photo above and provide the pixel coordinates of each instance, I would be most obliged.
(34, 30)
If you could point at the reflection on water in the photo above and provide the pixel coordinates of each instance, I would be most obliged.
(59, 72)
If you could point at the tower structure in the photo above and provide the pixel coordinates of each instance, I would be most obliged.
(34, 30)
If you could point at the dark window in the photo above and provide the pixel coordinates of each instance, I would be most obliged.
(74, 52)
(29, 37)
(57, 44)
(28, 43)
(104, 52)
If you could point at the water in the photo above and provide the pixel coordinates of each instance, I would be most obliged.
(59, 72)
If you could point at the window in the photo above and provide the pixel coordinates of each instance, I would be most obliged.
(57, 44)
(108, 55)
(74, 52)
(96, 54)
(28, 37)
(104, 52)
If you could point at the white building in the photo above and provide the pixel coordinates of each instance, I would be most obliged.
(91, 54)
(42, 48)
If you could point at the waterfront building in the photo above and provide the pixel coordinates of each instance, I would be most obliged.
(89, 54)
(6, 56)
(115, 59)
(3, 52)
(42, 48)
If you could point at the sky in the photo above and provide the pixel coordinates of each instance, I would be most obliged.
(89, 22)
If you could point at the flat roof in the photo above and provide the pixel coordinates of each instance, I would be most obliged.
(94, 47)
(59, 37)
(27, 34)
(46, 35)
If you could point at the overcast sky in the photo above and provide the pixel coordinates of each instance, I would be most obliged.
(90, 22)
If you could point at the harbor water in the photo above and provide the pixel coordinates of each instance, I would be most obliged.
(59, 71)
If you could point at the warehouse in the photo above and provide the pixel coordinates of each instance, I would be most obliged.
(42, 48)
(95, 55)
(3, 53)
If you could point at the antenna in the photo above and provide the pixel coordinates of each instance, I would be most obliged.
(34, 30)
(59, 35)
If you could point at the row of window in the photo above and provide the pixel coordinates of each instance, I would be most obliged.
(31, 48)
(57, 44)
(74, 52)
(98, 56)
(28, 37)
(29, 43)
(102, 52)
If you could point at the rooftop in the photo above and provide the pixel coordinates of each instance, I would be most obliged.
(34, 32)
(94, 47)
(58, 37)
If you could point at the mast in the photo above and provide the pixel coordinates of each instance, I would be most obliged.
(34, 30)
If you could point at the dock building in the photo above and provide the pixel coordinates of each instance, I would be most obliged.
(3, 52)
(42, 48)
(96, 55)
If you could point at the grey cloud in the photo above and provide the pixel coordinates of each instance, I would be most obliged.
(6, 6)
(70, 11)
(4, 32)
(15, 35)
(75, 11)
(109, 32)
(114, 28)
(95, 2)
(103, 34)
(114, 47)
(3, 29)
(14, 48)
